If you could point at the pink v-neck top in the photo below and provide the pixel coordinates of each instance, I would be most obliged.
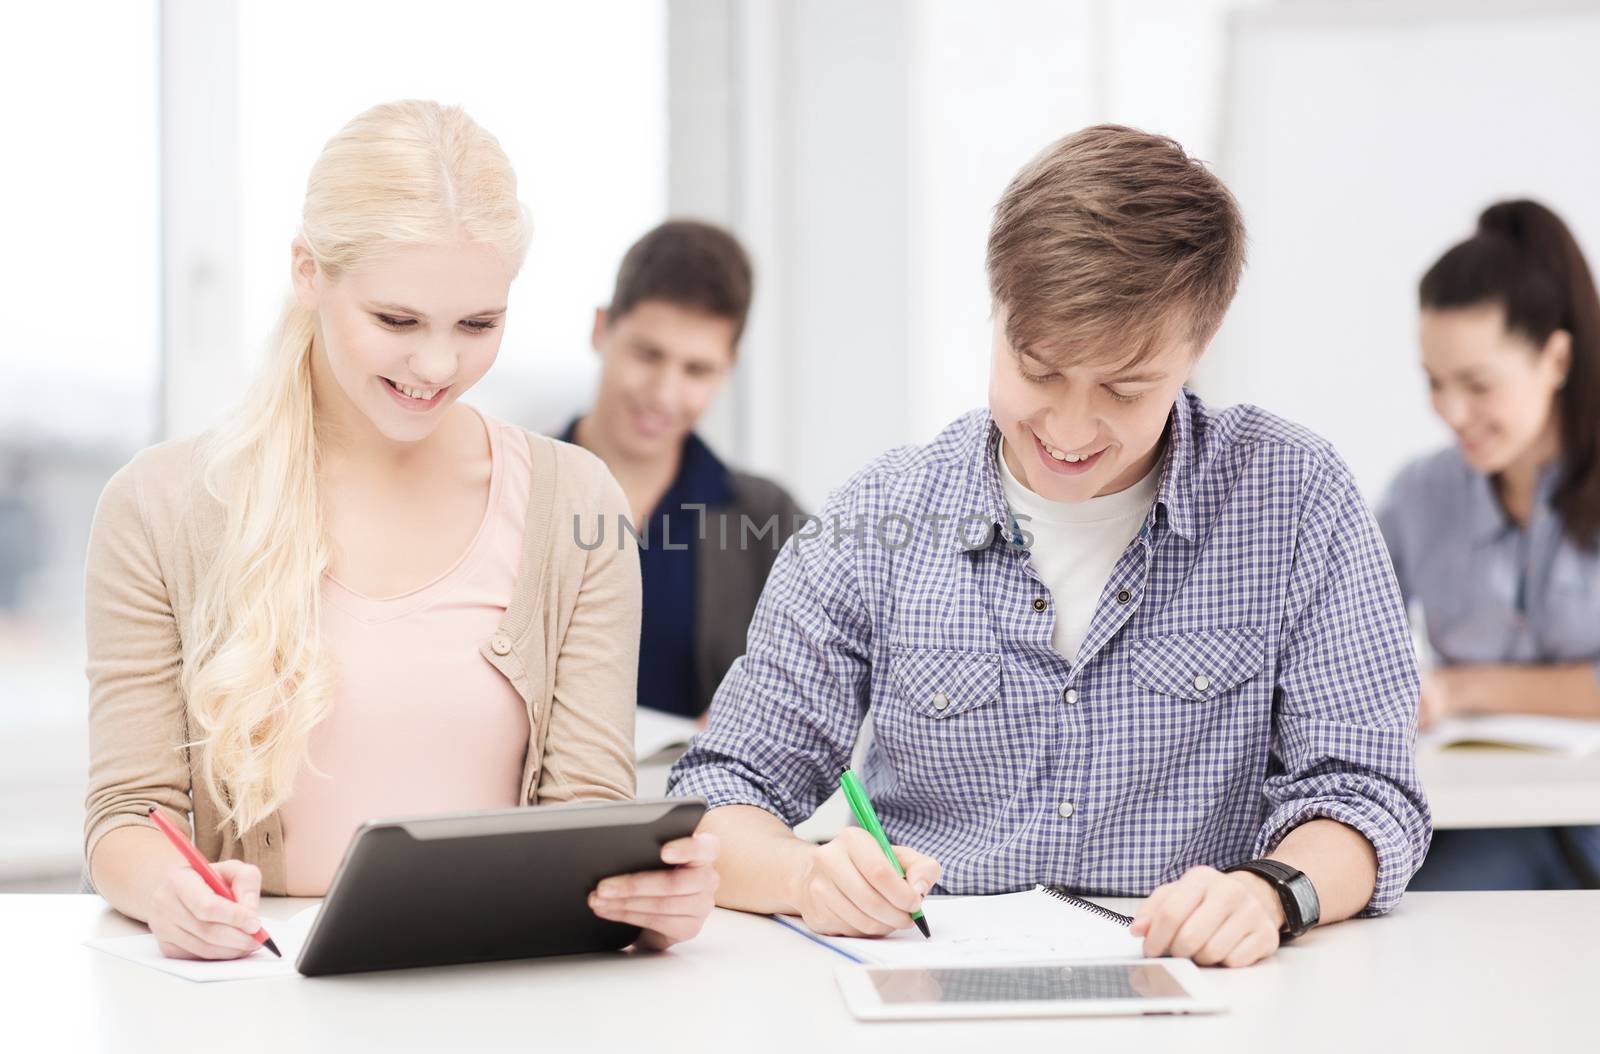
(420, 721)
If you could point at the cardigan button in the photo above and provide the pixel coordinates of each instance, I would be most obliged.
(500, 644)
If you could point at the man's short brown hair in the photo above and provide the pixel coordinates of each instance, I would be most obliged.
(688, 264)
(1108, 239)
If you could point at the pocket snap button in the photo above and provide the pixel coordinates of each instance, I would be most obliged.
(941, 701)
(1201, 683)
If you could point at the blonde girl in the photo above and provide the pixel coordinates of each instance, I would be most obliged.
(357, 596)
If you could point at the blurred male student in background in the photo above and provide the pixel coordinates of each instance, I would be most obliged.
(708, 534)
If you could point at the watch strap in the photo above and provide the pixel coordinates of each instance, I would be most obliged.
(1301, 908)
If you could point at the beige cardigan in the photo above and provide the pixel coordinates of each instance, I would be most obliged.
(569, 643)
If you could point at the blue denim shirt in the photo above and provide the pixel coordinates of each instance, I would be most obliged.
(669, 551)
(1490, 591)
(1248, 668)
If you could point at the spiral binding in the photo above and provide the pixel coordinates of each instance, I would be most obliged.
(1090, 906)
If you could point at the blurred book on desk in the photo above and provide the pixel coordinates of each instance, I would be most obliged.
(1573, 737)
(655, 732)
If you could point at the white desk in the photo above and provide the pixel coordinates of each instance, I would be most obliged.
(1454, 972)
(1494, 787)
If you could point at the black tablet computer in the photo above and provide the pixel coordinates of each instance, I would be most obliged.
(474, 887)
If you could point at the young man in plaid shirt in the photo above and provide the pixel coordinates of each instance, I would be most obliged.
(1110, 638)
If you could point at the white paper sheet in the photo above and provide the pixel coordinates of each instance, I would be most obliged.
(288, 934)
(1031, 926)
(654, 731)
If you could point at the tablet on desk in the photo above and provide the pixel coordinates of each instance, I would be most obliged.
(1149, 986)
(474, 887)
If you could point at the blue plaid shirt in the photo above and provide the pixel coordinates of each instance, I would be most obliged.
(1248, 668)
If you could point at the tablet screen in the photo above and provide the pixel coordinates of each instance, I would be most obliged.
(1012, 984)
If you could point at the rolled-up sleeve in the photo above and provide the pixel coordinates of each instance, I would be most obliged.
(784, 720)
(1345, 739)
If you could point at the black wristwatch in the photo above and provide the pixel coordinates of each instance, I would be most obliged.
(1301, 909)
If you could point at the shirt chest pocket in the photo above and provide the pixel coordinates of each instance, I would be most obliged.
(1203, 713)
(1469, 597)
(946, 730)
(1568, 624)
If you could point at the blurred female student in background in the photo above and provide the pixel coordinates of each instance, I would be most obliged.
(358, 596)
(1495, 537)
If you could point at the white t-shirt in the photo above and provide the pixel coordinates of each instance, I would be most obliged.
(1076, 544)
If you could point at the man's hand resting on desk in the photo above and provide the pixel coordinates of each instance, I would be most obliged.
(191, 922)
(670, 905)
(1230, 919)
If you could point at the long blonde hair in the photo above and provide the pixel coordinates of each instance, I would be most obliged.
(255, 677)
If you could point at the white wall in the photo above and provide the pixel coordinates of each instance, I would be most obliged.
(986, 99)
(869, 144)
(203, 366)
(1362, 142)
(997, 82)
(802, 134)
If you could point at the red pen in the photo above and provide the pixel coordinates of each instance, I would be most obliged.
(198, 862)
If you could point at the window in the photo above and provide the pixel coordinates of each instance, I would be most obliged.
(81, 374)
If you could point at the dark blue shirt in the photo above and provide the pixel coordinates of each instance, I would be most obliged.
(668, 544)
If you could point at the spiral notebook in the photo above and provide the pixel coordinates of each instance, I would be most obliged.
(1042, 924)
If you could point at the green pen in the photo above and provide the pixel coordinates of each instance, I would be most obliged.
(867, 817)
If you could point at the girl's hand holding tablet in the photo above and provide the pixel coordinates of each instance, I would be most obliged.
(670, 905)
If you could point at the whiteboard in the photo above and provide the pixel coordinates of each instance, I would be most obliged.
(1361, 143)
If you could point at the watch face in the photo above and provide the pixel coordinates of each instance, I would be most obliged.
(1300, 904)
(1305, 896)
